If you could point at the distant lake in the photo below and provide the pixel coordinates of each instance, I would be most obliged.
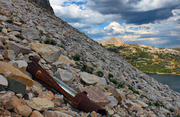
(173, 81)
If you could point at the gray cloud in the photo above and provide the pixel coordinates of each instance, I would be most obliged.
(132, 12)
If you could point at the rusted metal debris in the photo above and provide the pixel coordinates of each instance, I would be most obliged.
(77, 100)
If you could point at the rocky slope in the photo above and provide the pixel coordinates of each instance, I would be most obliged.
(69, 55)
(149, 59)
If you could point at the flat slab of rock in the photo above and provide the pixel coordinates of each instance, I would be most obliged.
(49, 52)
(96, 95)
(40, 104)
(30, 33)
(3, 82)
(18, 48)
(113, 102)
(55, 114)
(11, 72)
(64, 75)
(89, 78)
(63, 59)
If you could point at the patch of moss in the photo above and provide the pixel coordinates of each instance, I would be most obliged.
(76, 57)
(99, 73)
(50, 41)
(47, 41)
(9, 21)
(53, 42)
(113, 81)
(110, 76)
(158, 104)
(41, 32)
(87, 69)
(20, 37)
(132, 89)
(23, 22)
(121, 85)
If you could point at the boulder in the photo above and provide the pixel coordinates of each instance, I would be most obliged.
(49, 52)
(11, 72)
(30, 33)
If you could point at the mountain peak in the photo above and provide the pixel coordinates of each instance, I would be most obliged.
(114, 40)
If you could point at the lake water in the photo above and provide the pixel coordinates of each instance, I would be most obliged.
(173, 81)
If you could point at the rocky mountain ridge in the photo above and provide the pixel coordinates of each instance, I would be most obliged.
(44, 4)
(114, 40)
(150, 59)
(68, 54)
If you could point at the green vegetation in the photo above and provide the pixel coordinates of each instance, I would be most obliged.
(110, 76)
(121, 85)
(9, 21)
(50, 41)
(20, 37)
(76, 57)
(22, 21)
(87, 69)
(99, 73)
(148, 59)
(41, 33)
(158, 104)
(132, 89)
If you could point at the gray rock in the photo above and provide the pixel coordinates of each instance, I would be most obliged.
(102, 82)
(48, 52)
(2, 89)
(14, 38)
(16, 86)
(64, 75)
(40, 104)
(30, 33)
(40, 28)
(3, 82)
(14, 28)
(3, 18)
(9, 54)
(89, 78)
(113, 102)
(55, 114)
(18, 48)
(6, 4)
(96, 95)
(1, 45)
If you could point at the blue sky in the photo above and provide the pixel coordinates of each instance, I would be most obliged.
(146, 22)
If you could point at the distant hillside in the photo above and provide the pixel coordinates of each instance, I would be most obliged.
(115, 41)
(178, 49)
(149, 59)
